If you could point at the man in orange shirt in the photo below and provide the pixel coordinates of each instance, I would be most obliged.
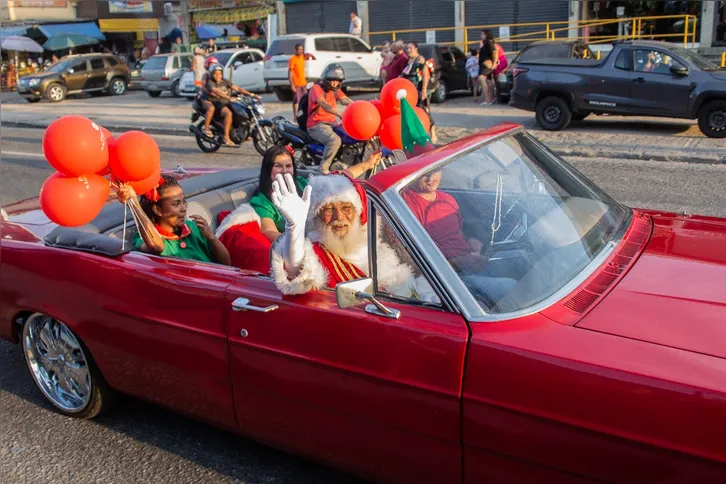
(323, 112)
(296, 74)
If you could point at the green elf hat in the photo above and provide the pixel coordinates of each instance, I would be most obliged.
(414, 138)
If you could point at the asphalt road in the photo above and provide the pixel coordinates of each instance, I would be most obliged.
(138, 442)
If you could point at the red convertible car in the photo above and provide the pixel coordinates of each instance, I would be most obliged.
(603, 360)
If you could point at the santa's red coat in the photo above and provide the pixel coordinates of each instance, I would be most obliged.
(239, 231)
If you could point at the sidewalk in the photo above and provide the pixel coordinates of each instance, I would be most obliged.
(597, 136)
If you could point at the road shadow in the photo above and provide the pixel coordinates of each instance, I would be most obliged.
(221, 451)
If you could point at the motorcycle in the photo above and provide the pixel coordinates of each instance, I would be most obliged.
(308, 152)
(247, 121)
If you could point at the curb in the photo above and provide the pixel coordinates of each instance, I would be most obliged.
(561, 150)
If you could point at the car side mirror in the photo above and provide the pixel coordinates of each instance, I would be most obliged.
(679, 70)
(70, 71)
(352, 293)
(237, 64)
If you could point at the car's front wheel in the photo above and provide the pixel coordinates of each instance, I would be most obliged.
(56, 93)
(154, 93)
(553, 114)
(175, 89)
(439, 94)
(32, 99)
(117, 87)
(63, 369)
(712, 119)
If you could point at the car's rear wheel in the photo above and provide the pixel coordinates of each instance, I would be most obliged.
(117, 87)
(154, 93)
(284, 95)
(712, 119)
(63, 369)
(553, 114)
(439, 94)
(175, 89)
(56, 93)
(32, 99)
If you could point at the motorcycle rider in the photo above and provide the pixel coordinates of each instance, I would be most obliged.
(205, 103)
(220, 93)
(323, 112)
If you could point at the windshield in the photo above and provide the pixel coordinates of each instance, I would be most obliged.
(59, 66)
(694, 58)
(515, 222)
(156, 63)
(222, 58)
(283, 47)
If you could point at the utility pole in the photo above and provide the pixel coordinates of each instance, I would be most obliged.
(185, 21)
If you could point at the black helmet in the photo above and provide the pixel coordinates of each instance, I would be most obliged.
(334, 72)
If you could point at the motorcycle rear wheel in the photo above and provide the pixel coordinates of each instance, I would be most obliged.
(207, 146)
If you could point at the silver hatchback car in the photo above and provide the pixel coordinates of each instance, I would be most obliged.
(162, 73)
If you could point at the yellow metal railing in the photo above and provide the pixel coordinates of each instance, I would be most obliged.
(561, 30)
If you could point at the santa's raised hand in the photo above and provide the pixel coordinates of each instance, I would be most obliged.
(294, 210)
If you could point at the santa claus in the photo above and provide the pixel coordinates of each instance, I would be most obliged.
(326, 240)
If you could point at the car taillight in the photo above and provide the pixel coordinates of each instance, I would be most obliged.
(268, 57)
(518, 71)
(309, 57)
(164, 78)
(143, 78)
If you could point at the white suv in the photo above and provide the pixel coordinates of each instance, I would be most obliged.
(362, 64)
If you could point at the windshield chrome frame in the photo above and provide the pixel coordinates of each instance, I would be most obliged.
(450, 280)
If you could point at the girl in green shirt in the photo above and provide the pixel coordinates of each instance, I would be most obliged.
(164, 229)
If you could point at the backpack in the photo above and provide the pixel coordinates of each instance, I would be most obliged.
(302, 112)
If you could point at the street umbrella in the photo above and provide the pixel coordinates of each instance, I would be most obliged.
(68, 41)
(19, 43)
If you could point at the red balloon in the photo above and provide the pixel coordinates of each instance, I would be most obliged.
(106, 133)
(389, 95)
(381, 111)
(143, 186)
(391, 133)
(71, 201)
(361, 120)
(423, 117)
(134, 156)
(75, 145)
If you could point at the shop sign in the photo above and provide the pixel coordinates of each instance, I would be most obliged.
(130, 6)
(207, 4)
(37, 3)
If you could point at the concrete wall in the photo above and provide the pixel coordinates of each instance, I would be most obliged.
(37, 10)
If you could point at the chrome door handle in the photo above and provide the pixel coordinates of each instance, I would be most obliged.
(243, 304)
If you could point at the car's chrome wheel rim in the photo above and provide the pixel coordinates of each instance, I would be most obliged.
(552, 114)
(118, 87)
(57, 363)
(56, 93)
(717, 120)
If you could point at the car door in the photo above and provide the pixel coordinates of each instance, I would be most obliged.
(354, 71)
(459, 63)
(77, 75)
(350, 387)
(606, 88)
(258, 80)
(243, 70)
(659, 91)
(97, 74)
(369, 61)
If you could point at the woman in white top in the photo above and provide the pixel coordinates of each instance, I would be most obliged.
(198, 66)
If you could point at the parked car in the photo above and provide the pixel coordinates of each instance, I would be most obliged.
(242, 67)
(638, 78)
(361, 63)
(546, 49)
(604, 360)
(449, 69)
(76, 74)
(136, 74)
(163, 72)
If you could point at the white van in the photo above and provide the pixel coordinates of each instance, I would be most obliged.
(362, 64)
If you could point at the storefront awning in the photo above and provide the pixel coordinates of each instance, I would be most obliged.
(207, 31)
(232, 15)
(84, 28)
(129, 25)
(8, 31)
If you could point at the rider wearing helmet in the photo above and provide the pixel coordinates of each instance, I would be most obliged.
(219, 93)
(323, 113)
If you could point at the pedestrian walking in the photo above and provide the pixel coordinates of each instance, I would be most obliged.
(488, 60)
(356, 25)
(198, 66)
(395, 68)
(472, 68)
(417, 71)
(296, 75)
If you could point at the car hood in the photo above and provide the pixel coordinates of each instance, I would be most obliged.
(675, 293)
(719, 75)
(39, 75)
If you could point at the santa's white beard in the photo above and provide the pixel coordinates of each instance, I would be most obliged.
(353, 246)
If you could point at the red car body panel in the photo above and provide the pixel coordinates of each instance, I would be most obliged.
(618, 389)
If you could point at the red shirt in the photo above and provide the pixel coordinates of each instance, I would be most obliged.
(395, 68)
(321, 115)
(442, 220)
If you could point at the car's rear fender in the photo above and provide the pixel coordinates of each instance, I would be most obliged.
(548, 91)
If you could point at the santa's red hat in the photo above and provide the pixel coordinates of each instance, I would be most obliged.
(337, 187)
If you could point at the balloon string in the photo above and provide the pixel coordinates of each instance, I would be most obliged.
(123, 234)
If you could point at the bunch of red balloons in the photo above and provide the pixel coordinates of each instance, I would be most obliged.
(82, 154)
(363, 120)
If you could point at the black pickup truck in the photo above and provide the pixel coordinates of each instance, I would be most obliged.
(637, 78)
